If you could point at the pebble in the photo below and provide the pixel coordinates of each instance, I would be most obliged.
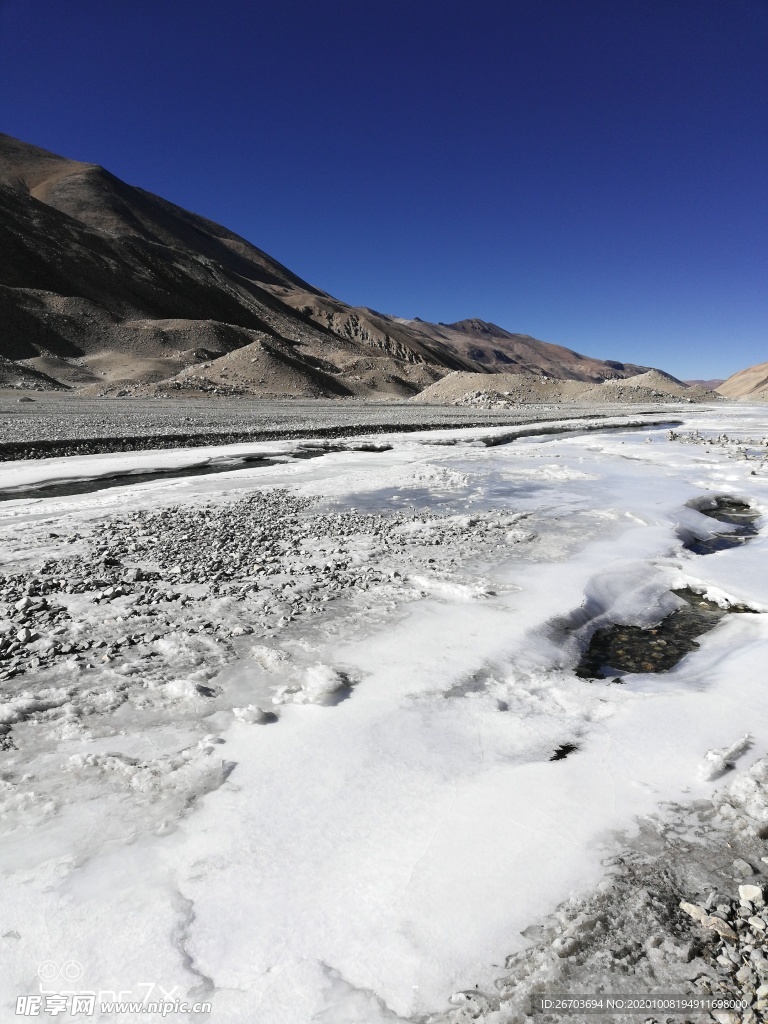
(751, 893)
(721, 927)
(697, 913)
(739, 951)
(741, 869)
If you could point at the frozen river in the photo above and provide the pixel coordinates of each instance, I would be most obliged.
(302, 761)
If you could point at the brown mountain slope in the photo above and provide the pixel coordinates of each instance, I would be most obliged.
(102, 282)
(472, 345)
(94, 197)
(382, 333)
(750, 384)
(503, 352)
(105, 285)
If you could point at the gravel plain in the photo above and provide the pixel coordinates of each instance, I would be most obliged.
(54, 424)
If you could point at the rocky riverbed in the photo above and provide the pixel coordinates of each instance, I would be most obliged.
(681, 913)
(136, 600)
(53, 424)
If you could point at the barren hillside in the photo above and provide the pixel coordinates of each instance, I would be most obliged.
(509, 389)
(108, 288)
(751, 384)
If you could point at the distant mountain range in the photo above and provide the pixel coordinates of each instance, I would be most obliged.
(107, 288)
(711, 384)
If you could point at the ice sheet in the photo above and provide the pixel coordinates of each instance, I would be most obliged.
(385, 840)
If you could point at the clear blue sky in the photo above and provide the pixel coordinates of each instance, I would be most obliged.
(591, 172)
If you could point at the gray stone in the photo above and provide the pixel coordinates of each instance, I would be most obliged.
(751, 893)
(697, 913)
(721, 927)
(741, 869)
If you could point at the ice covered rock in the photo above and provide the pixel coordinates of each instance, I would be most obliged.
(253, 715)
(471, 1000)
(268, 658)
(180, 777)
(720, 759)
(207, 744)
(450, 590)
(184, 689)
(747, 795)
(321, 685)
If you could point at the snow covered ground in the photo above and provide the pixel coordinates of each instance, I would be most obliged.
(313, 779)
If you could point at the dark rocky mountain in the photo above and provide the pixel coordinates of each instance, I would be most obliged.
(108, 288)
